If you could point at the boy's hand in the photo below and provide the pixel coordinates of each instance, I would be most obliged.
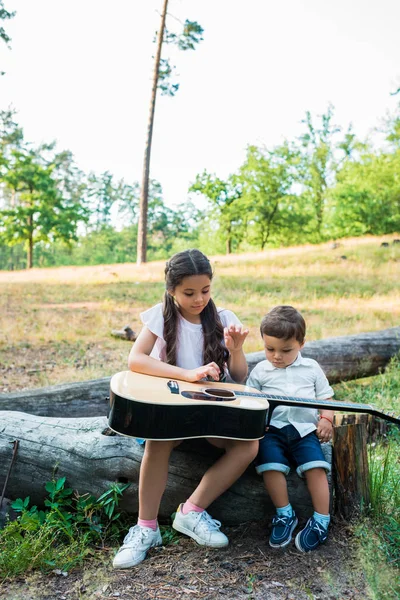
(324, 430)
(234, 337)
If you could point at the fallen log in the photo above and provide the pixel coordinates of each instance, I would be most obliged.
(79, 450)
(342, 358)
(350, 356)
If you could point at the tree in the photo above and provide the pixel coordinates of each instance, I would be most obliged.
(102, 193)
(267, 179)
(320, 160)
(187, 40)
(38, 211)
(223, 197)
(4, 15)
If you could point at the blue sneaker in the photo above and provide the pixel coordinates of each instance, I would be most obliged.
(311, 536)
(282, 529)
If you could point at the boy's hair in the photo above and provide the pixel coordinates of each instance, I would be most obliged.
(186, 264)
(284, 322)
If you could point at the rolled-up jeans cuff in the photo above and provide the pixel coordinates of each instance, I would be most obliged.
(314, 464)
(272, 467)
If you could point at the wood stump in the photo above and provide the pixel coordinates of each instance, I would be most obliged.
(350, 469)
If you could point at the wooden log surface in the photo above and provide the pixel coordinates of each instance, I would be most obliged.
(78, 450)
(342, 358)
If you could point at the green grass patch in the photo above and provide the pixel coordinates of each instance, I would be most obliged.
(62, 535)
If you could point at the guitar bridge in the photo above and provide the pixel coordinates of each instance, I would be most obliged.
(173, 386)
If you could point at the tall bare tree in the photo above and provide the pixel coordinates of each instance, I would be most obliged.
(191, 35)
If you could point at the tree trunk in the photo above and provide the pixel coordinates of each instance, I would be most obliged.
(342, 358)
(351, 475)
(142, 226)
(29, 260)
(90, 460)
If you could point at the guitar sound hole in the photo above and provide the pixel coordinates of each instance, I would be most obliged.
(218, 393)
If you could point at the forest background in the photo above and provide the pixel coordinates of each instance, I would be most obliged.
(326, 184)
(323, 182)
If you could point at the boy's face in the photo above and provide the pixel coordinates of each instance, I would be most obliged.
(281, 353)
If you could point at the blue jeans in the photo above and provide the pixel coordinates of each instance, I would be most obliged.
(281, 448)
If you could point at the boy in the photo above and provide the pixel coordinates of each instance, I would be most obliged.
(294, 434)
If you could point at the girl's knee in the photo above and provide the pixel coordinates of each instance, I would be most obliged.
(253, 449)
(153, 448)
(247, 449)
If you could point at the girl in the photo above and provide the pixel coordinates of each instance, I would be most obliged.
(186, 338)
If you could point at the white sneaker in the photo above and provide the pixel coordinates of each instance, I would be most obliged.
(201, 527)
(137, 542)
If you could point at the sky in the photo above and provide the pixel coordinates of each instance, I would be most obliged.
(79, 72)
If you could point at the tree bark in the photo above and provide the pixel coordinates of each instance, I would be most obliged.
(144, 193)
(342, 358)
(78, 450)
(351, 474)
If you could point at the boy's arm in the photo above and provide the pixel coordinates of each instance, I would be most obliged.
(325, 425)
(323, 391)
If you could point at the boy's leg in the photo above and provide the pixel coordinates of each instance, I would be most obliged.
(152, 481)
(273, 464)
(276, 486)
(191, 518)
(313, 466)
(317, 483)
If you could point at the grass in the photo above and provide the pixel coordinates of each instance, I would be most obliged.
(56, 326)
(379, 530)
(56, 323)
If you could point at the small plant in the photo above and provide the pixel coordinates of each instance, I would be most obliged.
(61, 536)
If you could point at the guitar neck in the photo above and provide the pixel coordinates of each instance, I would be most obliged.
(277, 400)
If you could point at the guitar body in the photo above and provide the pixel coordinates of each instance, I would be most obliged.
(156, 408)
(153, 408)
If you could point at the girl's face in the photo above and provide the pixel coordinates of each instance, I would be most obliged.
(192, 296)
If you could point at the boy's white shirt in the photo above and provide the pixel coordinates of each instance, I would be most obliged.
(189, 354)
(304, 378)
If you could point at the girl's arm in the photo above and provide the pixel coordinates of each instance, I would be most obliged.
(140, 361)
(234, 336)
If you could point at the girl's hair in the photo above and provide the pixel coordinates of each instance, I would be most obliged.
(181, 265)
(284, 322)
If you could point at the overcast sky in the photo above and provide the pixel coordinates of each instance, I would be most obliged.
(79, 71)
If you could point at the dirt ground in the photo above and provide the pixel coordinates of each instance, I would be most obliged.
(248, 569)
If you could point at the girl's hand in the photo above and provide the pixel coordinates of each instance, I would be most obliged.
(324, 430)
(211, 370)
(234, 337)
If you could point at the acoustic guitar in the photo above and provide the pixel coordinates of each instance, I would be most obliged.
(157, 408)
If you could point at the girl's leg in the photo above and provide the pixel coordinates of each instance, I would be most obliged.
(318, 487)
(152, 481)
(153, 477)
(228, 468)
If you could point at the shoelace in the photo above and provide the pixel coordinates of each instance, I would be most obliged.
(318, 528)
(135, 534)
(277, 519)
(205, 521)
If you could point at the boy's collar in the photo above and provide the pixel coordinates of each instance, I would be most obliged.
(300, 360)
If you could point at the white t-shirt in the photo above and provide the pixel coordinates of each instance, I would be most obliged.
(189, 354)
(303, 378)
